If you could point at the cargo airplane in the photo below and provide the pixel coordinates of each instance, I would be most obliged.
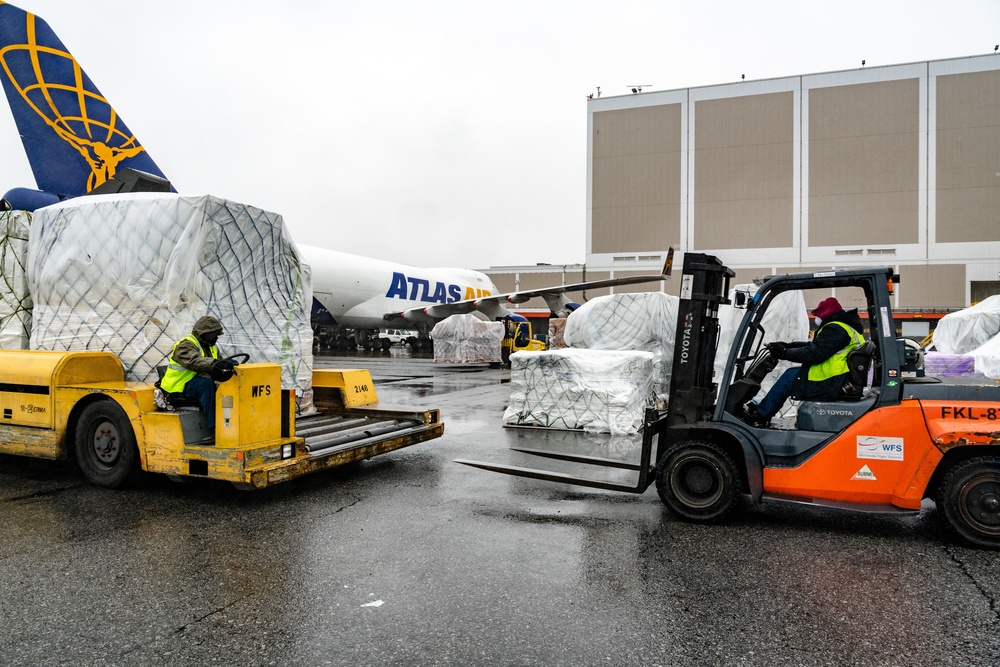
(77, 144)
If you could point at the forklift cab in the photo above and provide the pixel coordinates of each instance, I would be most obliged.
(816, 422)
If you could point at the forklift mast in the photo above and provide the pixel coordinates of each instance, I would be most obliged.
(704, 286)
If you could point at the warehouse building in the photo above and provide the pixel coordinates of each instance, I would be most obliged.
(895, 165)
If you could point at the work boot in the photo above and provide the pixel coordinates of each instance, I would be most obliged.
(748, 415)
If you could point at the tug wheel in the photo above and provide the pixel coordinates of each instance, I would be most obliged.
(969, 499)
(106, 451)
(698, 481)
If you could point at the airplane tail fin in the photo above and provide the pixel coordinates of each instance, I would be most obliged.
(74, 139)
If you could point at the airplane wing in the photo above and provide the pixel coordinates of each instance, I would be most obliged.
(495, 305)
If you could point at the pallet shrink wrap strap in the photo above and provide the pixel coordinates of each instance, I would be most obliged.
(131, 273)
(15, 299)
(599, 391)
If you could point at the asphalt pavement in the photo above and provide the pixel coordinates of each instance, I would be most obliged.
(412, 559)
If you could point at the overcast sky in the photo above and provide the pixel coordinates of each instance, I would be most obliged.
(441, 133)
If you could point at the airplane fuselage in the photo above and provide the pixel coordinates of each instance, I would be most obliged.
(359, 291)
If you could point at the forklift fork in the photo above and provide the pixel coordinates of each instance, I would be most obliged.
(646, 467)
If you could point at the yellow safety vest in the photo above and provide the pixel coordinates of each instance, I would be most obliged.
(177, 376)
(837, 364)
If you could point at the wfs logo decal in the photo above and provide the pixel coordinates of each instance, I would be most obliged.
(880, 448)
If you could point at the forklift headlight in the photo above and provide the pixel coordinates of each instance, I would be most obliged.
(287, 451)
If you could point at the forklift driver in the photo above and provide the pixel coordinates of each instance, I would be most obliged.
(824, 369)
(194, 366)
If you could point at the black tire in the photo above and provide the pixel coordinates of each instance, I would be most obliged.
(969, 500)
(105, 445)
(698, 481)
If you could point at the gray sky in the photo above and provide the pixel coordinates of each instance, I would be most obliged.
(441, 133)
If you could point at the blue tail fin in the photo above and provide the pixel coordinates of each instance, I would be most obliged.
(75, 141)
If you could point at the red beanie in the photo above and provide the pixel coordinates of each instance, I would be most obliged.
(826, 308)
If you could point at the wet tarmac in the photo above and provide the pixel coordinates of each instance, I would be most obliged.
(411, 559)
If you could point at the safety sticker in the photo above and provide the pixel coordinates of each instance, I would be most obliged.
(864, 473)
(887, 331)
(687, 286)
(880, 448)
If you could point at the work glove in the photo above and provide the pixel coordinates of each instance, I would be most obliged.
(222, 370)
(777, 349)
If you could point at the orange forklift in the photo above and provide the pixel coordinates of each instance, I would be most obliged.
(899, 438)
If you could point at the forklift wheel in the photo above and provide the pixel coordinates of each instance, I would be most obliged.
(969, 499)
(698, 481)
(105, 445)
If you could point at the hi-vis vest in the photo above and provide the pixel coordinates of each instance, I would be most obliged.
(837, 364)
(177, 376)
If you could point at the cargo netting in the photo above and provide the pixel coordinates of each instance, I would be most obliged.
(130, 274)
(600, 391)
(15, 299)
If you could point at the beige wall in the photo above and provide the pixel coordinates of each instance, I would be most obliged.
(931, 286)
(636, 183)
(743, 172)
(864, 169)
(968, 157)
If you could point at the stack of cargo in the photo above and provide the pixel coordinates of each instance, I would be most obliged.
(618, 360)
(645, 322)
(593, 390)
(464, 339)
(15, 300)
(557, 333)
(130, 274)
(967, 342)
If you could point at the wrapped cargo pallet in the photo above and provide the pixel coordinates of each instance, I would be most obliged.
(131, 273)
(963, 331)
(987, 358)
(942, 365)
(644, 321)
(470, 338)
(599, 391)
(15, 299)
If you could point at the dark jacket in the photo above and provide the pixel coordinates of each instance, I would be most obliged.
(187, 353)
(829, 340)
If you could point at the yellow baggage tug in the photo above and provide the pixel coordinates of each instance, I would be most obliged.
(78, 404)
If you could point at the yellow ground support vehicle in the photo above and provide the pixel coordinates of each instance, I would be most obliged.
(61, 404)
(518, 337)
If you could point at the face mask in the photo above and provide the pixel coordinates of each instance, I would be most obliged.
(211, 338)
(819, 321)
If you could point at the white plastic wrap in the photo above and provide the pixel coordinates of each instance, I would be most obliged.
(15, 300)
(470, 338)
(131, 273)
(786, 320)
(987, 358)
(643, 321)
(942, 365)
(963, 331)
(599, 391)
